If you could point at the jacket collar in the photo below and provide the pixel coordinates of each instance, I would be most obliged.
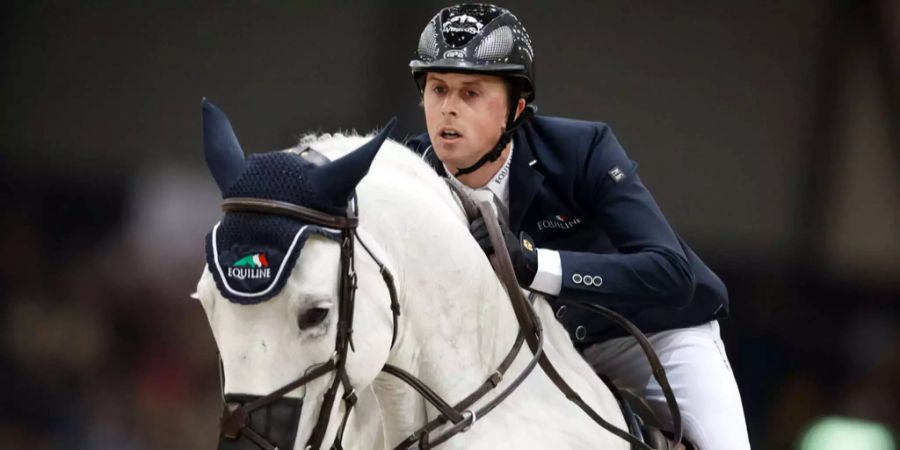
(524, 179)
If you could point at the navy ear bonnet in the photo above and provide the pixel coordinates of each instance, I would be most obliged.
(287, 177)
(252, 254)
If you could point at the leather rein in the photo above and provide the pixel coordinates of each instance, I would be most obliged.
(530, 323)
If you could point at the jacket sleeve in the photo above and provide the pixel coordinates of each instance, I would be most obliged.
(650, 268)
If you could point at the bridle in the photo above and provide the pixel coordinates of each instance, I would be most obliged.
(235, 420)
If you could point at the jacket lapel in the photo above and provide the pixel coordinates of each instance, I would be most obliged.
(524, 181)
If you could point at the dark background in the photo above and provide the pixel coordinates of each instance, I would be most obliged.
(767, 131)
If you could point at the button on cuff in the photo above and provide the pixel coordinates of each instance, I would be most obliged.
(560, 312)
(580, 333)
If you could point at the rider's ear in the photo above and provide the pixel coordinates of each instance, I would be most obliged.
(223, 152)
(520, 107)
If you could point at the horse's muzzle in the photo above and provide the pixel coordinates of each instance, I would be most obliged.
(276, 423)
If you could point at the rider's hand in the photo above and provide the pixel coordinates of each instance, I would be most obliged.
(522, 251)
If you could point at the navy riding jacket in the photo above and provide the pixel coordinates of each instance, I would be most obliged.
(573, 189)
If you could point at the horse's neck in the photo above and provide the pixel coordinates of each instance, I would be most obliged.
(454, 329)
(457, 324)
(448, 290)
(449, 333)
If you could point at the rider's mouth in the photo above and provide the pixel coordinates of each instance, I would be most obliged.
(449, 134)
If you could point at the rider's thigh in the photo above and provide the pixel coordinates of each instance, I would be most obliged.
(700, 375)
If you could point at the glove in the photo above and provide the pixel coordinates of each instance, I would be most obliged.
(522, 251)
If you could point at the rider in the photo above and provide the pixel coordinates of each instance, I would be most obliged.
(568, 187)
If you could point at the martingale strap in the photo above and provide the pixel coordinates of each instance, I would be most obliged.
(456, 414)
(461, 415)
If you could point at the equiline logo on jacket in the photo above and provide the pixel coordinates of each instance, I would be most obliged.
(252, 266)
(558, 222)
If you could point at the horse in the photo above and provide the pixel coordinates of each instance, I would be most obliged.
(335, 221)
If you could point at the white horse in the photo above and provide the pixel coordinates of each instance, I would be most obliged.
(455, 327)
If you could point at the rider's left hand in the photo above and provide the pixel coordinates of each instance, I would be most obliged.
(522, 251)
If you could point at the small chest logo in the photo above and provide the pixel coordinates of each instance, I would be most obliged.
(252, 266)
(502, 174)
(558, 222)
(617, 174)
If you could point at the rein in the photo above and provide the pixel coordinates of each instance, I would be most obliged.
(530, 322)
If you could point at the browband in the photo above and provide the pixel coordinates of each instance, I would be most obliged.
(289, 209)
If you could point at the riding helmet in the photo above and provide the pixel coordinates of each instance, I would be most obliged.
(476, 38)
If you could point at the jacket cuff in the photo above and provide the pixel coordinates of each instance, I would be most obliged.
(548, 278)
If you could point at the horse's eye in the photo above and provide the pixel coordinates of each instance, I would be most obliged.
(312, 317)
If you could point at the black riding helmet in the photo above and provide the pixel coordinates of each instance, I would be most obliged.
(484, 39)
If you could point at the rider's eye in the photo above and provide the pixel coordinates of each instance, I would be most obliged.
(311, 317)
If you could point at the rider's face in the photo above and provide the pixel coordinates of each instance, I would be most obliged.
(465, 114)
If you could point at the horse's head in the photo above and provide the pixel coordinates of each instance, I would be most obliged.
(279, 291)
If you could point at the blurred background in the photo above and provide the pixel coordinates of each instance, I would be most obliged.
(768, 131)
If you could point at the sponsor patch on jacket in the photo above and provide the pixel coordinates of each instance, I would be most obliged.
(616, 174)
(557, 222)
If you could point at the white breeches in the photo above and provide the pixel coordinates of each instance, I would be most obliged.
(700, 375)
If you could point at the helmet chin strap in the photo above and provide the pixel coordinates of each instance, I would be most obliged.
(494, 154)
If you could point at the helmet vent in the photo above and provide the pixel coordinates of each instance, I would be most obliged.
(496, 45)
(428, 46)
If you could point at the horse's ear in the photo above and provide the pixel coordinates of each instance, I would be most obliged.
(337, 179)
(224, 156)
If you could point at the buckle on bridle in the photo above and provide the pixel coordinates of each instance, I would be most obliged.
(350, 397)
(495, 378)
(234, 419)
(472, 419)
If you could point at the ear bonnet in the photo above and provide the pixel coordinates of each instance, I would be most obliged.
(251, 254)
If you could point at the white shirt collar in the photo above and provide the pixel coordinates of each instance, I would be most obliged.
(499, 185)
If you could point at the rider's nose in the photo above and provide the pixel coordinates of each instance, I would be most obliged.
(448, 106)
